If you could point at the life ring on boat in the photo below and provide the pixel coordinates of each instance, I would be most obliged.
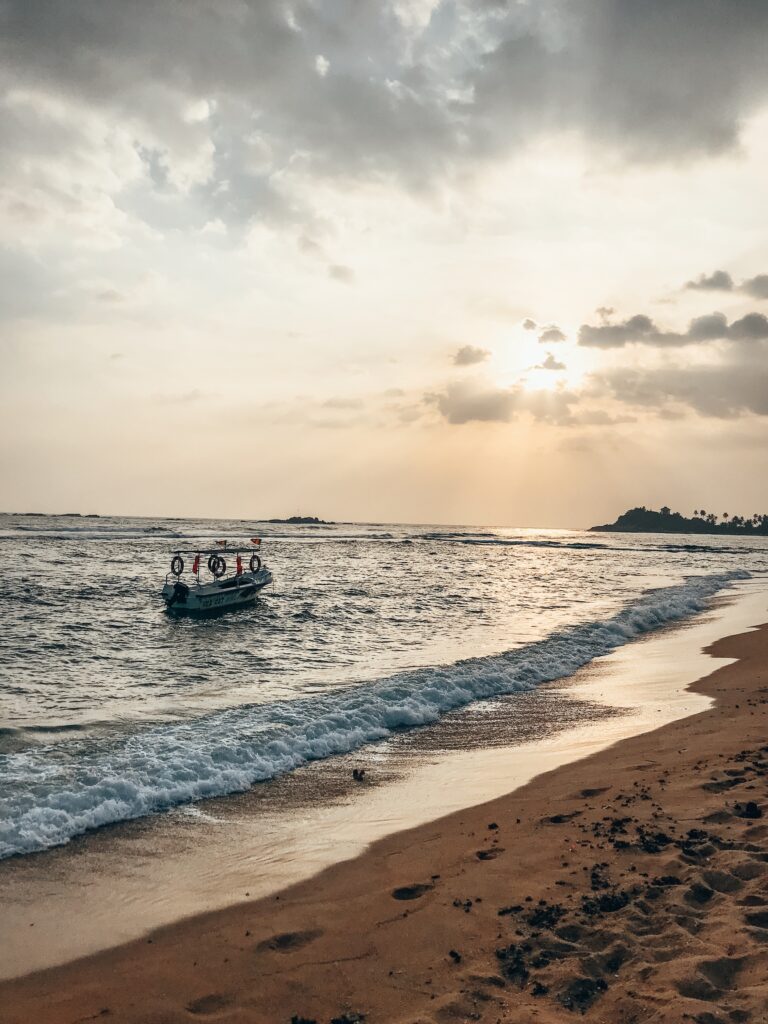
(219, 567)
(177, 565)
(255, 562)
(212, 560)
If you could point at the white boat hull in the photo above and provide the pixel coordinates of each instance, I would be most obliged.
(221, 595)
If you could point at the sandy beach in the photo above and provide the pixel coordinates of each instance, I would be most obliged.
(383, 512)
(628, 886)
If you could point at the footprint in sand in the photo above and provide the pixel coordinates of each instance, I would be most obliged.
(748, 870)
(697, 988)
(722, 972)
(721, 881)
(412, 892)
(489, 854)
(287, 942)
(208, 1005)
(560, 819)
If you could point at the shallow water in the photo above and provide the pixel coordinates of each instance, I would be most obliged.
(117, 884)
(111, 709)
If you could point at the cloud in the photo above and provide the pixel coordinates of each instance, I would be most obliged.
(735, 385)
(658, 80)
(640, 329)
(188, 83)
(718, 281)
(462, 403)
(30, 289)
(110, 295)
(550, 363)
(752, 327)
(343, 403)
(606, 335)
(551, 334)
(182, 114)
(757, 286)
(341, 273)
(468, 355)
(468, 402)
(529, 325)
(710, 327)
(723, 392)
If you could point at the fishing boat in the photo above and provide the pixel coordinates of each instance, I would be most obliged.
(229, 584)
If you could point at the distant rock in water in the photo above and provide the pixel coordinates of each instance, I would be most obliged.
(646, 520)
(301, 521)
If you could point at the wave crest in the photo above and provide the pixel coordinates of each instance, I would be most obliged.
(51, 799)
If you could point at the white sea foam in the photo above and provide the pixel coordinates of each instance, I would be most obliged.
(48, 798)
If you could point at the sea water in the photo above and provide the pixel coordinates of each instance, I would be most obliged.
(111, 709)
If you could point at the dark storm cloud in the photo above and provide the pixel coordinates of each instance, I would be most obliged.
(640, 329)
(467, 355)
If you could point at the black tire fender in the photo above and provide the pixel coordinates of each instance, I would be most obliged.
(177, 565)
(255, 562)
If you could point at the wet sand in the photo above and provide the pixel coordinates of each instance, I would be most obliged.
(120, 883)
(629, 886)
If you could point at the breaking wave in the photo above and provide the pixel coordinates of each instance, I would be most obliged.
(52, 796)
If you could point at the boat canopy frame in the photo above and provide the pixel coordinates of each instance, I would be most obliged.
(235, 552)
(239, 550)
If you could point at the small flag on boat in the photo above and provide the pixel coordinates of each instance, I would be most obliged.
(221, 543)
(256, 540)
(239, 570)
(196, 564)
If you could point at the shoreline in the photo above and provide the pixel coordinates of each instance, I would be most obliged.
(410, 929)
(122, 882)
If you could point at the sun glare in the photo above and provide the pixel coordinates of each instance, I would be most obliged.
(543, 380)
(535, 366)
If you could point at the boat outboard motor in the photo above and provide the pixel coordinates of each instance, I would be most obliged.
(179, 595)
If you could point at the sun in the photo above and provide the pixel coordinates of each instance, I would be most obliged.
(526, 362)
(539, 379)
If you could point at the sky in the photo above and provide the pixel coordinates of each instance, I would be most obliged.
(496, 262)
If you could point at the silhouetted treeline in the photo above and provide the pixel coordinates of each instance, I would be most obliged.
(647, 520)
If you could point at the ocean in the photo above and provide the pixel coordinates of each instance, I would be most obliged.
(111, 709)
